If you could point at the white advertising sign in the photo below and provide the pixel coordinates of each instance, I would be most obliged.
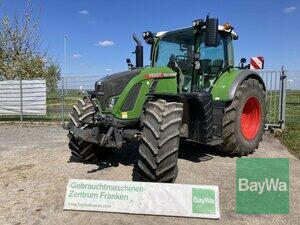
(143, 198)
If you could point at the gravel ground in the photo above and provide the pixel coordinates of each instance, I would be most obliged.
(36, 165)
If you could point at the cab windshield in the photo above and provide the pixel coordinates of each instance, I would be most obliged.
(179, 46)
(178, 43)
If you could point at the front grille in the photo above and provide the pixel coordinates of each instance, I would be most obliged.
(113, 85)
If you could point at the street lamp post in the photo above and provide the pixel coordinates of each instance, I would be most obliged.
(65, 50)
(63, 79)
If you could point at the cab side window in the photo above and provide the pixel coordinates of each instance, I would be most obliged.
(213, 59)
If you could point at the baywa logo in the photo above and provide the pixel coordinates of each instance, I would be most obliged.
(262, 186)
(203, 201)
(271, 184)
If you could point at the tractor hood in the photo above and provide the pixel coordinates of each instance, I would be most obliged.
(113, 85)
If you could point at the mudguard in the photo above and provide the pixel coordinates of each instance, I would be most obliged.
(225, 87)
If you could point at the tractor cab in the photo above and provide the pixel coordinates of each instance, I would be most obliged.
(197, 63)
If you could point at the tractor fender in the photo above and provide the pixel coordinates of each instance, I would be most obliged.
(243, 75)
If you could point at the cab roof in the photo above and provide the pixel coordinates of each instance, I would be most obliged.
(220, 28)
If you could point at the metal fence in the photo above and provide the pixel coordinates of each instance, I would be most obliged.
(275, 81)
(292, 97)
(283, 97)
(22, 98)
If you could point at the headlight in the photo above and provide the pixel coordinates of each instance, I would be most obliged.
(111, 102)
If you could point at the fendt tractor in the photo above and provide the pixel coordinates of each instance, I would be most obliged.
(192, 91)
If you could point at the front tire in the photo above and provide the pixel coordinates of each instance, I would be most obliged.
(82, 117)
(82, 150)
(158, 151)
(244, 119)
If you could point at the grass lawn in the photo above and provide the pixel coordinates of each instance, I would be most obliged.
(291, 134)
(290, 137)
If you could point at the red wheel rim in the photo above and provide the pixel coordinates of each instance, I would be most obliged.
(251, 118)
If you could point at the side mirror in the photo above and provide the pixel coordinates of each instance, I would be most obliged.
(242, 63)
(129, 64)
(243, 60)
(211, 33)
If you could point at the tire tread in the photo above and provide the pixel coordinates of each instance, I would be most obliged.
(158, 150)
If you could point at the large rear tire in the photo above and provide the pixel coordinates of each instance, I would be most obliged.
(82, 117)
(244, 119)
(158, 151)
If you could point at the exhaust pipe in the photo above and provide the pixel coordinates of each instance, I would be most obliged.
(139, 55)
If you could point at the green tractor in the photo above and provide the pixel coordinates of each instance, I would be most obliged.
(191, 92)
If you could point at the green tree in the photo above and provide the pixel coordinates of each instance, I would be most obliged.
(52, 76)
(20, 50)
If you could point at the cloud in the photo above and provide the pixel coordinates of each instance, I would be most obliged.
(83, 12)
(108, 69)
(76, 55)
(289, 9)
(105, 43)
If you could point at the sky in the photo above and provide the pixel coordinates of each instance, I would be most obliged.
(100, 31)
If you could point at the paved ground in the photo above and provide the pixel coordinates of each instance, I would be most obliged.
(35, 167)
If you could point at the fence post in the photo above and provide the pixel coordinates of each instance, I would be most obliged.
(21, 100)
(63, 101)
(282, 99)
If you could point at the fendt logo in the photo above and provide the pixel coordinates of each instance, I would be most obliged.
(262, 186)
